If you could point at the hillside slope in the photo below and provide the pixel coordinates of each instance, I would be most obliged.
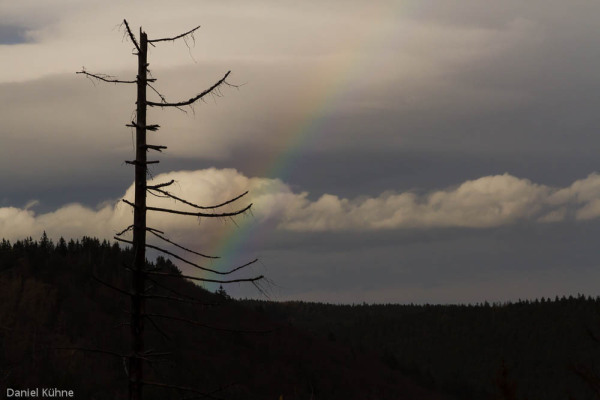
(60, 328)
(461, 349)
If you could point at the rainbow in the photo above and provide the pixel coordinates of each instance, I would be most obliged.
(328, 86)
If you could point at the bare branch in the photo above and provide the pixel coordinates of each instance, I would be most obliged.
(152, 128)
(130, 227)
(199, 214)
(261, 290)
(172, 181)
(199, 266)
(189, 262)
(193, 99)
(152, 231)
(124, 241)
(158, 328)
(135, 162)
(108, 285)
(135, 43)
(183, 259)
(162, 98)
(154, 147)
(257, 278)
(183, 295)
(103, 77)
(175, 37)
(158, 195)
(195, 205)
(128, 202)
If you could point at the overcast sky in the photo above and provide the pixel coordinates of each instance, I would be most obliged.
(395, 151)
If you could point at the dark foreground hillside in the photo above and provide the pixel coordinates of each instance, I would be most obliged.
(462, 349)
(60, 328)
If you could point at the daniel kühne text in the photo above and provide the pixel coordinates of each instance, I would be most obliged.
(39, 393)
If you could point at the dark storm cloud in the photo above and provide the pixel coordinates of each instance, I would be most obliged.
(506, 90)
(439, 266)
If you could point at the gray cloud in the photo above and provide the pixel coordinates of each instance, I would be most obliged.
(506, 84)
(427, 102)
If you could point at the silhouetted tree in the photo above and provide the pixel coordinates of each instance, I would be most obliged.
(221, 292)
(139, 290)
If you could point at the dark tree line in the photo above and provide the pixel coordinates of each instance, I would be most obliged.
(538, 345)
(49, 300)
(60, 328)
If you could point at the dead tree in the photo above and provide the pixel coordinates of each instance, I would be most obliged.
(140, 273)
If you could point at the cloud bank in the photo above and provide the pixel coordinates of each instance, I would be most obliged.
(489, 201)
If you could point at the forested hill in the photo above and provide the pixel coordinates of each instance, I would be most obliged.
(61, 328)
(462, 349)
(49, 301)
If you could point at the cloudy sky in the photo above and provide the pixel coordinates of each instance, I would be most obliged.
(395, 151)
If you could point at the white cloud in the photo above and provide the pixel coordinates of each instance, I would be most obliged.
(485, 202)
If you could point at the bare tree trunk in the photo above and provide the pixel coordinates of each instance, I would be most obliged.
(138, 292)
(136, 372)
